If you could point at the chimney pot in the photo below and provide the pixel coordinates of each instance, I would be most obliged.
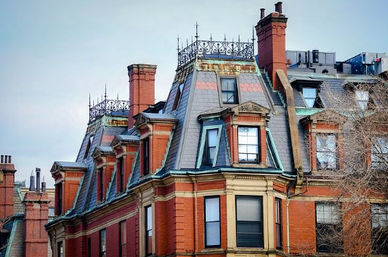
(262, 13)
(278, 7)
(2, 156)
(37, 179)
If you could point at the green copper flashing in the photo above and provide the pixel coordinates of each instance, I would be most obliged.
(203, 142)
(110, 183)
(273, 147)
(11, 237)
(306, 111)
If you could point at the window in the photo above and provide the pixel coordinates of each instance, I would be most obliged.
(101, 184)
(278, 222)
(229, 90)
(362, 98)
(248, 144)
(122, 239)
(146, 156)
(103, 243)
(178, 96)
(309, 95)
(89, 247)
(326, 151)
(209, 152)
(58, 189)
(249, 221)
(379, 153)
(148, 230)
(60, 249)
(328, 228)
(212, 221)
(379, 217)
(121, 174)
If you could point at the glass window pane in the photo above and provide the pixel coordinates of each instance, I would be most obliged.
(149, 218)
(248, 209)
(310, 102)
(253, 149)
(212, 209)
(309, 92)
(252, 157)
(212, 233)
(212, 137)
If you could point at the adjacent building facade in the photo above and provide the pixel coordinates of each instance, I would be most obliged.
(240, 160)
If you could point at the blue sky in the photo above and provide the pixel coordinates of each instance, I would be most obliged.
(54, 53)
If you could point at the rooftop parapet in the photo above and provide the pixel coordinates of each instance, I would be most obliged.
(215, 49)
(108, 106)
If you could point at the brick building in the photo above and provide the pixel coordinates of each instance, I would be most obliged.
(240, 160)
(23, 214)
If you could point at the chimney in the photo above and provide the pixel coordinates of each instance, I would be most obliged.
(7, 173)
(38, 180)
(271, 38)
(32, 182)
(262, 13)
(141, 89)
(36, 216)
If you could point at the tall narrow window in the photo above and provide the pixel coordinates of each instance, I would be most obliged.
(379, 217)
(209, 152)
(379, 153)
(60, 249)
(249, 221)
(362, 98)
(212, 221)
(248, 144)
(178, 96)
(326, 151)
(148, 230)
(89, 247)
(146, 156)
(309, 95)
(229, 90)
(121, 174)
(103, 243)
(58, 188)
(122, 239)
(328, 228)
(278, 222)
(101, 184)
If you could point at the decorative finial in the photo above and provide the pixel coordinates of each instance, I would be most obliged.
(192, 39)
(239, 38)
(253, 34)
(105, 95)
(211, 37)
(187, 42)
(196, 31)
(117, 96)
(178, 43)
(224, 37)
(90, 104)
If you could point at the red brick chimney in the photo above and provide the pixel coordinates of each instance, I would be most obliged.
(7, 171)
(36, 216)
(271, 38)
(141, 89)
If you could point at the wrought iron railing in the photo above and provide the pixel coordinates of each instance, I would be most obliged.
(107, 106)
(215, 49)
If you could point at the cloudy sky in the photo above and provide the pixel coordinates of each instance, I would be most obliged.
(54, 53)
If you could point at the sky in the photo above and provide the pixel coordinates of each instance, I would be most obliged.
(54, 53)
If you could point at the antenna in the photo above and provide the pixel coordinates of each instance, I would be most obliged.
(105, 93)
(196, 31)
(178, 44)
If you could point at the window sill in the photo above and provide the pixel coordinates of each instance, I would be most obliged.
(249, 165)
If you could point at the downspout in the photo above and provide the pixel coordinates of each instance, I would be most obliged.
(195, 230)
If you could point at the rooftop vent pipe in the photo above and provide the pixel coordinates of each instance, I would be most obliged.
(262, 13)
(278, 7)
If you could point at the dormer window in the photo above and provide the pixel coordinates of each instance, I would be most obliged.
(309, 95)
(146, 156)
(121, 174)
(210, 147)
(326, 151)
(362, 98)
(101, 184)
(90, 141)
(229, 90)
(178, 96)
(248, 144)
